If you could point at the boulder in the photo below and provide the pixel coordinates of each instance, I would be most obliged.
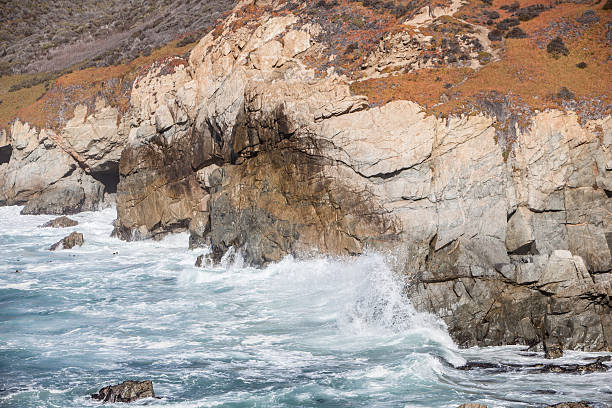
(68, 242)
(552, 351)
(67, 196)
(127, 391)
(60, 222)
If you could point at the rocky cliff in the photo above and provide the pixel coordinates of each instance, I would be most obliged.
(63, 172)
(273, 139)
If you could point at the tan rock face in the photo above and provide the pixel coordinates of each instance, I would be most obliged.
(295, 42)
(65, 172)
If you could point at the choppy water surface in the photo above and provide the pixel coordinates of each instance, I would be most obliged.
(315, 333)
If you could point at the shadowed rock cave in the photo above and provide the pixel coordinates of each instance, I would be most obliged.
(5, 154)
(108, 176)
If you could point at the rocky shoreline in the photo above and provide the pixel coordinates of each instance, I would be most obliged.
(247, 147)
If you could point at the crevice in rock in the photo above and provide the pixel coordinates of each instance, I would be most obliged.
(526, 249)
(109, 177)
(509, 215)
(5, 154)
(538, 211)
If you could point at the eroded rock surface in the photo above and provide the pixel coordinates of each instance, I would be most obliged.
(250, 147)
(68, 242)
(65, 172)
(60, 222)
(127, 391)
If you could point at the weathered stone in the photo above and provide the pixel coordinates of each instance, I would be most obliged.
(69, 242)
(560, 273)
(69, 195)
(552, 351)
(163, 119)
(267, 56)
(589, 367)
(519, 235)
(79, 164)
(199, 261)
(570, 405)
(295, 42)
(127, 391)
(60, 222)
(199, 226)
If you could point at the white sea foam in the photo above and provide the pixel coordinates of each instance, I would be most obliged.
(318, 332)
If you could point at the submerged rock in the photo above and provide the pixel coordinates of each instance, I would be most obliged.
(72, 240)
(591, 367)
(127, 391)
(60, 222)
(471, 405)
(596, 366)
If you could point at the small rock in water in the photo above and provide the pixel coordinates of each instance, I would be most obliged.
(552, 351)
(472, 406)
(199, 261)
(72, 240)
(60, 222)
(127, 391)
(580, 404)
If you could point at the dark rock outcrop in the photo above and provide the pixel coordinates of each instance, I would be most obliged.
(599, 365)
(60, 222)
(72, 240)
(199, 261)
(127, 391)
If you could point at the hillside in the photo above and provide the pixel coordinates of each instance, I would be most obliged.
(41, 41)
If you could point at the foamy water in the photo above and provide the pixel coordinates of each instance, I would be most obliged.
(324, 332)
